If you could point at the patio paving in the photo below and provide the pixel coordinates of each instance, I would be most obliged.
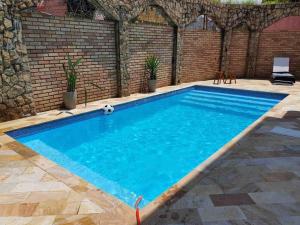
(255, 182)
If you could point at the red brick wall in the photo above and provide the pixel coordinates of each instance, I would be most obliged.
(49, 39)
(238, 53)
(290, 23)
(275, 44)
(200, 55)
(144, 40)
(55, 7)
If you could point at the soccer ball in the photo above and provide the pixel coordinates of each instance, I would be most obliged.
(108, 109)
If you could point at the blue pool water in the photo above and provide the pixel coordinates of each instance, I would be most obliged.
(147, 146)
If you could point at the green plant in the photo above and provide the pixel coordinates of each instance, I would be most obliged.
(229, 2)
(216, 1)
(152, 66)
(241, 2)
(249, 2)
(71, 73)
(266, 2)
(86, 93)
(85, 97)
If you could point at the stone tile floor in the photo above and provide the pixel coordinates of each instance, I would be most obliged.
(257, 181)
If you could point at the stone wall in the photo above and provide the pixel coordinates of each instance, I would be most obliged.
(15, 84)
(49, 40)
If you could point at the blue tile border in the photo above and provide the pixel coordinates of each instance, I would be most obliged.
(84, 116)
(52, 124)
(152, 98)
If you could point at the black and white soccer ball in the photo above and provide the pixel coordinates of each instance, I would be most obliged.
(108, 109)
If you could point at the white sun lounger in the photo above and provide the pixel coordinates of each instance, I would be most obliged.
(281, 68)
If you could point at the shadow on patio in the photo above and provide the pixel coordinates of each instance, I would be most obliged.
(256, 182)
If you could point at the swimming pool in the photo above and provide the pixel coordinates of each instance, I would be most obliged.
(148, 145)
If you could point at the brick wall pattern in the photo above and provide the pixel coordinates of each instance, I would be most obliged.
(200, 55)
(145, 40)
(238, 53)
(278, 44)
(50, 39)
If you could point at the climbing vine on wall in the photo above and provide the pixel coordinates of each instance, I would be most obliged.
(80, 8)
(203, 22)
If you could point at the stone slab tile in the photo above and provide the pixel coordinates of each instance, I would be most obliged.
(89, 207)
(13, 198)
(39, 186)
(231, 199)
(286, 131)
(272, 197)
(45, 220)
(290, 220)
(192, 203)
(257, 214)
(221, 213)
(22, 209)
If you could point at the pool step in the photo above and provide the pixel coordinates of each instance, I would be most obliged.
(236, 96)
(230, 104)
(230, 99)
(222, 109)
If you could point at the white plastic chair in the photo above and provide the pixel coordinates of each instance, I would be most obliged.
(281, 71)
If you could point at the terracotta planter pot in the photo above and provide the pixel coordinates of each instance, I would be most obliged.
(70, 99)
(152, 85)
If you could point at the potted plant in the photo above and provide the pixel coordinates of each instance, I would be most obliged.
(152, 65)
(70, 97)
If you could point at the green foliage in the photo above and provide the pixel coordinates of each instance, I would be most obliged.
(243, 2)
(71, 73)
(80, 8)
(152, 65)
(275, 1)
(85, 97)
(249, 2)
(86, 93)
(97, 86)
(230, 2)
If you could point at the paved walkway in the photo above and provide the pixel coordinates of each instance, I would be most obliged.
(255, 182)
